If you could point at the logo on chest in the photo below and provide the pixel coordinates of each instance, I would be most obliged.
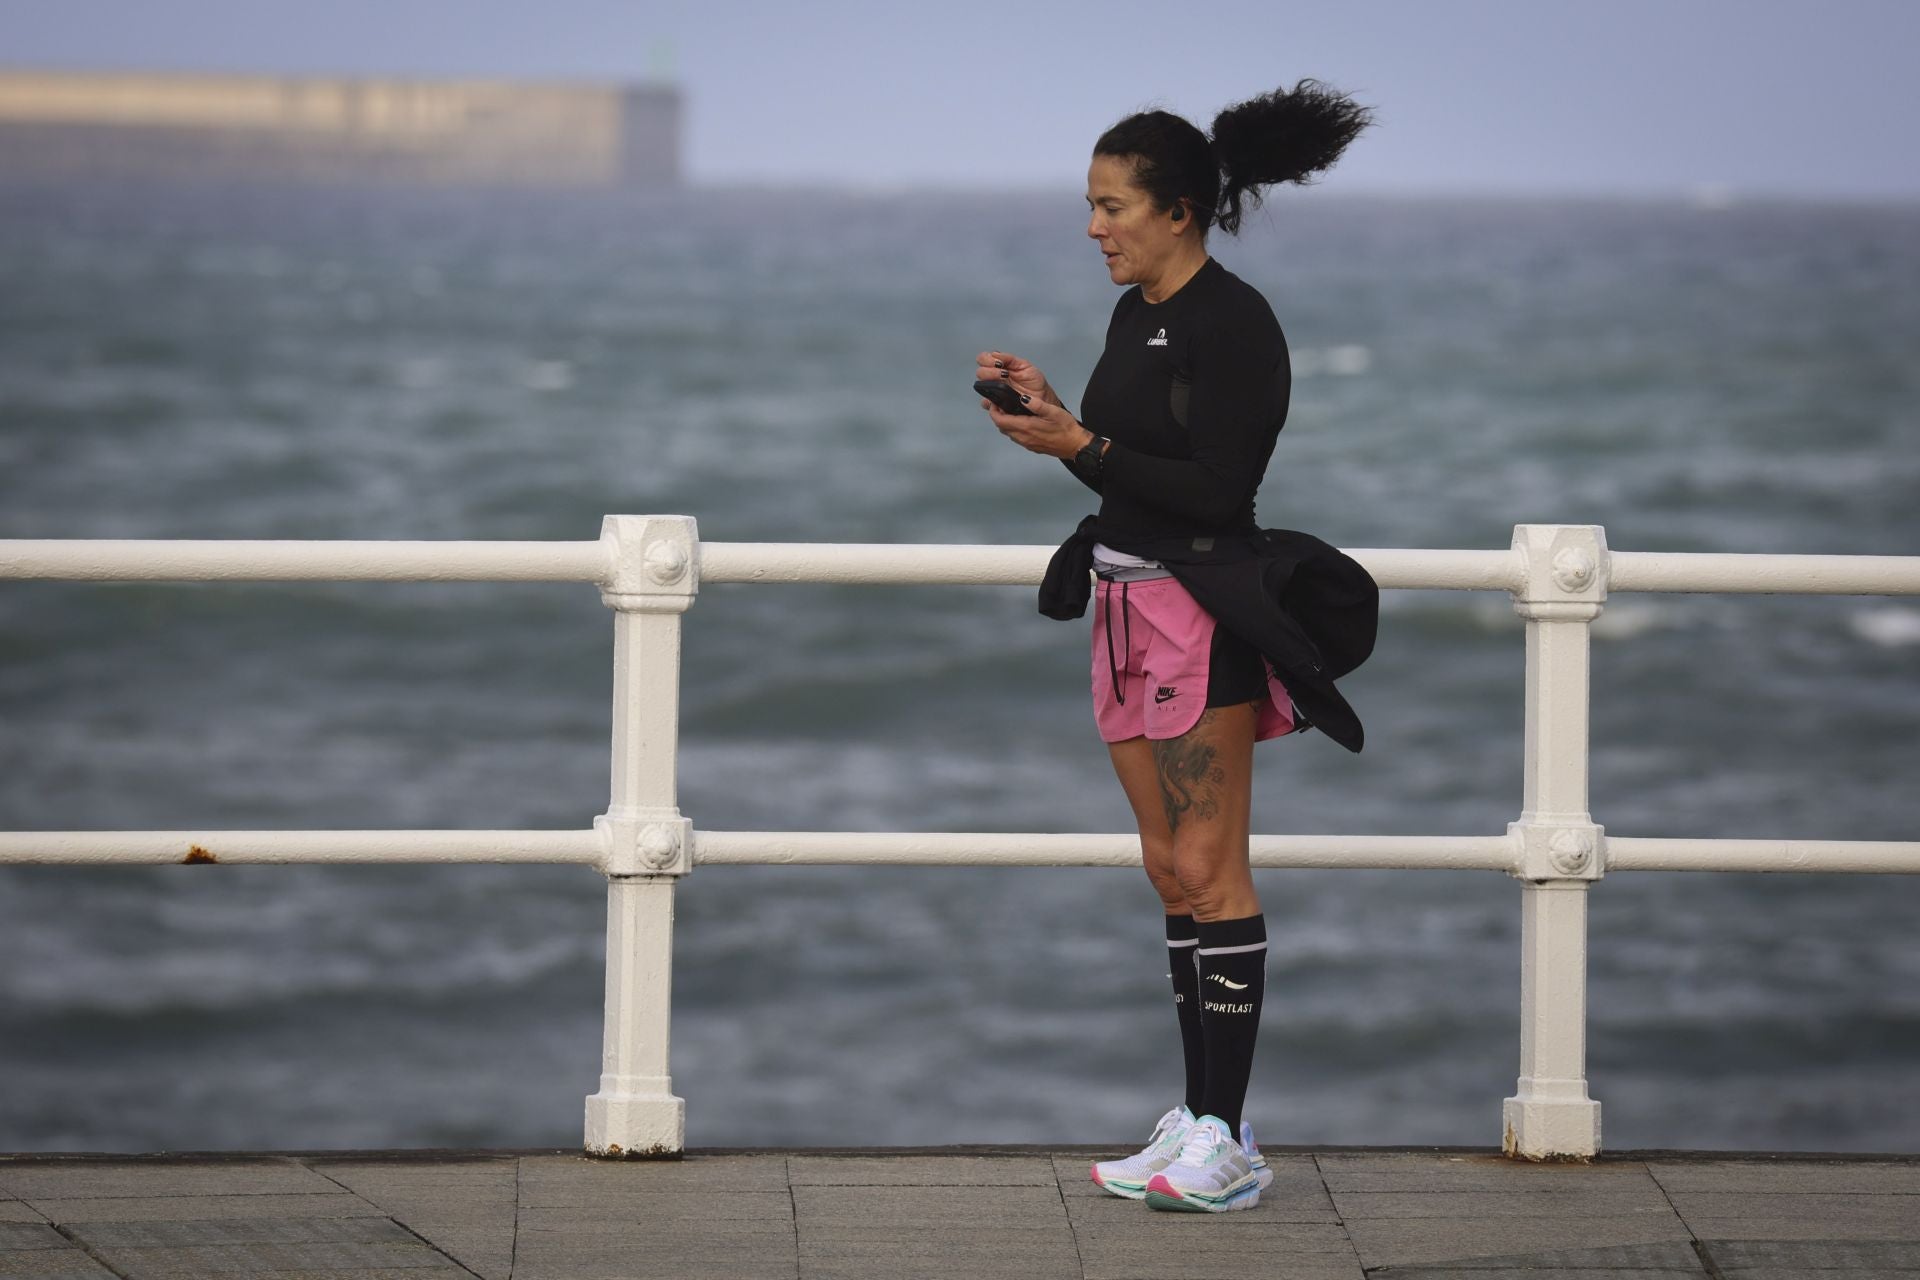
(1158, 340)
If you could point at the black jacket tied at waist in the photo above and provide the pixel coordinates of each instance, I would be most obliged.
(1308, 606)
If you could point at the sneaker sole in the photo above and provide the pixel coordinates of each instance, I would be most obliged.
(1121, 1187)
(1245, 1197)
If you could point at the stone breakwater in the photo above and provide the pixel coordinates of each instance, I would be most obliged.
(408, 131)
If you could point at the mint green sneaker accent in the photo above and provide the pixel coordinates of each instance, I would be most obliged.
(1213, 1173)
(1128, 1176)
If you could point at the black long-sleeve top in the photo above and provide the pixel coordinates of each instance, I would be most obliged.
(1216, 346)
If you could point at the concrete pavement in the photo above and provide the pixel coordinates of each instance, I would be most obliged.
(955, 1213)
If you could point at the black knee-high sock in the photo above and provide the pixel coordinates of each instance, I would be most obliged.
(1182, 941)
(1233, 978)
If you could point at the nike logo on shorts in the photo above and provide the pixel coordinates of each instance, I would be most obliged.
(1164, 692)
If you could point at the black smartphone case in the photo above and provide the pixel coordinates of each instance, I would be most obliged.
(1002, 395)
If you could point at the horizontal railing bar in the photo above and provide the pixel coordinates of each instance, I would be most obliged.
(1755, 574)
(945, 848)
(1449, 570)
(992, 565)
(924, 848)
(1653, 853)
(254, 847)
(873, 562)
(340, 560)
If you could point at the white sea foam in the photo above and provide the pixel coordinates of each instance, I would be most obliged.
(1347, 360)
(547, 375)
(418, 373)
(1890, 627)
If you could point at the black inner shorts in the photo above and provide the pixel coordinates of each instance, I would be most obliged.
(1236, 671)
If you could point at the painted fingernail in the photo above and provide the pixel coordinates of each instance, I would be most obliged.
(1024, 399)
(998, 365)
(1006, 375)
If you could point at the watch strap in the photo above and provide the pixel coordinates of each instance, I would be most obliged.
(1091, 460)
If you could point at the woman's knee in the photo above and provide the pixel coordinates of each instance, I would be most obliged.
(1214, 881)
(1158, 857)
(1202, 894)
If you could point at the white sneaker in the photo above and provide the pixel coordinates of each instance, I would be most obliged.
(1213, 1173)
(1128, 1177)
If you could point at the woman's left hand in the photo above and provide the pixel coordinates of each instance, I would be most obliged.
(1049, 429)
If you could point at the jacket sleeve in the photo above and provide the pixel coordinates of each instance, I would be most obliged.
(1094, 485)
(1068, 583)
(1231, 414)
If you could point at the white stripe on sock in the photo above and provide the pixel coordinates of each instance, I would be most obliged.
(1183, 942)
(1228, 951)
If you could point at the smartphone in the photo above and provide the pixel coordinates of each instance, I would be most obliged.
(1004, 395)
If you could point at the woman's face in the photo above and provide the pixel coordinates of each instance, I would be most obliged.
(1137, 239)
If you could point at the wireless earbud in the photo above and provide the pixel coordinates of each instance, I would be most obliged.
(1178, 213)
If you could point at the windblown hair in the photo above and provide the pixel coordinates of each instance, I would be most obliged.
(1288, 135)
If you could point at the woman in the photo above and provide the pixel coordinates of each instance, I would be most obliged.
(1183, 410)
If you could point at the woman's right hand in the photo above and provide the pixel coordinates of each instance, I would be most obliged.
(1024, 374)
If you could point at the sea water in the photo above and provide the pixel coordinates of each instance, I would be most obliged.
(792, 366)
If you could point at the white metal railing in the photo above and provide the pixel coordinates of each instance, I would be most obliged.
(648, 569)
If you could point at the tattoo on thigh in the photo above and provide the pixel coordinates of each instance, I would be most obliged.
(1190, 775)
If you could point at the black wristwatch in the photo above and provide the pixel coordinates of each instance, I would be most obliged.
(1089, 460)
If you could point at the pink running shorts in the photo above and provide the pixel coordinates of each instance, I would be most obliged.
(1162, 659)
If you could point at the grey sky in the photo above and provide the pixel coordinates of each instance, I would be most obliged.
(1628, 96)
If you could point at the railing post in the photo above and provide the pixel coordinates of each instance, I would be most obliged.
(1562, 588)
(652, 577)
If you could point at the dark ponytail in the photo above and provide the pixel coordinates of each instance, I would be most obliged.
(1285, 136)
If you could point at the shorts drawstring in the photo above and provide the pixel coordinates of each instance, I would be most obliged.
(1126, 630)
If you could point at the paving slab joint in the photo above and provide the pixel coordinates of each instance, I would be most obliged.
(86, 1248)
(1707, 1263)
